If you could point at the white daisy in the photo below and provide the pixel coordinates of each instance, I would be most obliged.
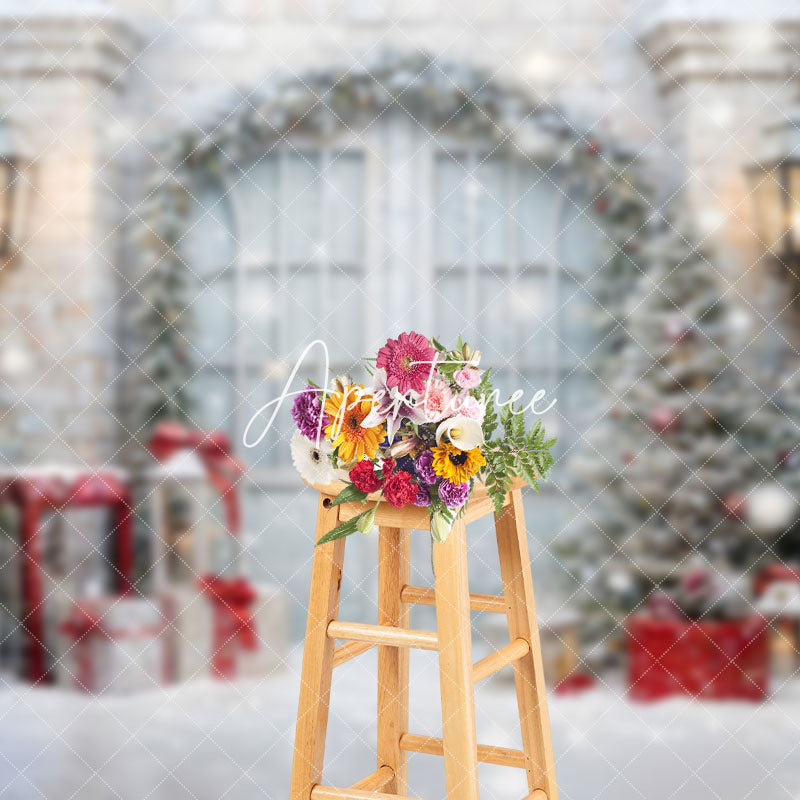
(312, 462)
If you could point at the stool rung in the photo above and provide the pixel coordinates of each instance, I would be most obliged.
(383, 634)
(489, 754)
(499, 659)
(376, 782)
(537, 795)
(477, 602)
(332, 793)
(345, 652)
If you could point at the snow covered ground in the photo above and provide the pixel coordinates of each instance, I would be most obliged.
(209, 741)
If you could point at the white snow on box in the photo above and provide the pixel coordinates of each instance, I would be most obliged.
(123, 653)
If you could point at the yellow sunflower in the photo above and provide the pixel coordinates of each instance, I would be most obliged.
(457, 466)
(346, 410)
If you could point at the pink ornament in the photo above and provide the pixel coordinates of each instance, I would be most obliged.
(677, 328)
(467, 378)
(662, 420)
(735, 505)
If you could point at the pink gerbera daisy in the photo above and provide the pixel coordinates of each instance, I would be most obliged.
(407, 361)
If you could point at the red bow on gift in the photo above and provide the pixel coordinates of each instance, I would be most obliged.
(214, 450)
(234, 623)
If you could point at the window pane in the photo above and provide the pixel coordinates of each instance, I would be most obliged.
(262, 385)
(214, 400)
(345, 333)
(493, 313)
(214, 318)
(531, 381)
(260, 315)
(452, 234)
(208, 245)
(577, 397)
(581, 240)
(257, 204)
(577, 327)
(492, 210)
(302, 207)
(530, 309)
(538, 199)
(346, 220)
(450, 302)
(303, 302)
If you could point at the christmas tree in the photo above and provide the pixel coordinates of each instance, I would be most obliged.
(675, 473)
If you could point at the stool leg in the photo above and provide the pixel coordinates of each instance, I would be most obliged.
(512, 545)
(455, 665)
(315, 684)
(393, 574)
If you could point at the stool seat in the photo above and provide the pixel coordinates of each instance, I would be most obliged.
(451, 641)
(412, 517)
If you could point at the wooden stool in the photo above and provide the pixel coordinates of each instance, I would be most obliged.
(452, 641)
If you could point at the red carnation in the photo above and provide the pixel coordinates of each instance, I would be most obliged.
(399, 490)
(387, 468)
(364, 478)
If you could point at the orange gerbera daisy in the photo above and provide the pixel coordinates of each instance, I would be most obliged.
(347, 409)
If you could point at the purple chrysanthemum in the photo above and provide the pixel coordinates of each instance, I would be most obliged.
(423, 466)
(306, 412)
(453, 495)
(423, 498)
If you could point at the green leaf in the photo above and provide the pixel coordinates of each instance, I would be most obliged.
(348, 495)
(344, 528)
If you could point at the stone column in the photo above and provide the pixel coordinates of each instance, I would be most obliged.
(720, 83)
(63, 81)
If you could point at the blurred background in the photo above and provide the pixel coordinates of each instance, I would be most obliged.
(604, 198)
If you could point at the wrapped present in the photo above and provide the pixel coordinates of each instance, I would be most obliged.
(189, 623)
(233, 621)
(225, 628)
(112, 644)
(36, 492)
(270, 615)
(725, 659)
(774, 573)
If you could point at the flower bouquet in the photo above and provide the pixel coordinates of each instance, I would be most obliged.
(430, 427)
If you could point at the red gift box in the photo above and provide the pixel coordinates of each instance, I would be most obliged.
(774, 573)
(726, 659)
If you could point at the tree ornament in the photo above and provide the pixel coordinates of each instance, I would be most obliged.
(677, 328)
(735, 505)
(787, 458)
(771, 509)
(662, 420)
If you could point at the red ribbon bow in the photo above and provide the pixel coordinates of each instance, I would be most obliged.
(214, 450)
(234, 622)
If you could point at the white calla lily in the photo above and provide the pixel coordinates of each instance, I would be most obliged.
(462, 432)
